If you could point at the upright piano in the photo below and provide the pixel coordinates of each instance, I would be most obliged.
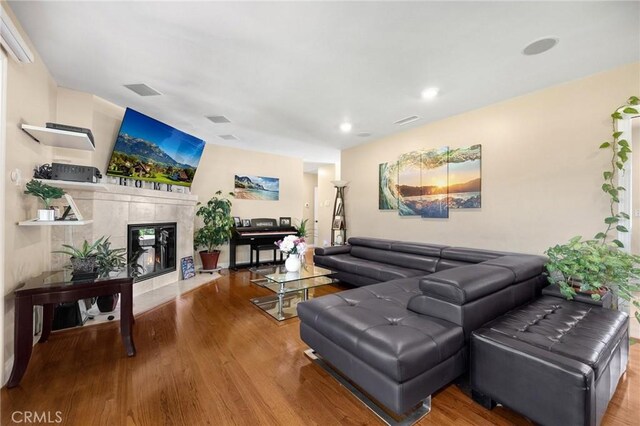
(261, 231)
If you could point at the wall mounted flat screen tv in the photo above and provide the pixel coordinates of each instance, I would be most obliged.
(147, 149)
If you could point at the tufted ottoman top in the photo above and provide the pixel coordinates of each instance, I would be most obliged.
(374, 324)
(583, 332)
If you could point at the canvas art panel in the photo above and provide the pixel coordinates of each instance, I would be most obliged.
(387, 189)
(434, 189)
(409, 184)
(465, 177)
(247, 187)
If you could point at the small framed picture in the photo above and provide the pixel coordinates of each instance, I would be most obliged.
(237, 222)
(285, 221)
(188, 269)
(246, 222)
(337, 223)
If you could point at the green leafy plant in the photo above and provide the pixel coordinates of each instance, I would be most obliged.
(46, 193)
(108, 259)
(218, 223)
(302, 229)
(84, 251)
(601, 263)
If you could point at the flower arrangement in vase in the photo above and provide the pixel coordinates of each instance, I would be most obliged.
(294, 247)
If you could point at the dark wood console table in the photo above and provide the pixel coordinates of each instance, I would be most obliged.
(55, 287)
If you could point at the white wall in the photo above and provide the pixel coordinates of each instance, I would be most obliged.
(541, 168)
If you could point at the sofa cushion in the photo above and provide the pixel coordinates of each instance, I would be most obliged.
(466, 283)
(368, 268)
(378, 243)
(431, 250)
(405, 260)
(470, 255)
(373, 324)
(578, 331)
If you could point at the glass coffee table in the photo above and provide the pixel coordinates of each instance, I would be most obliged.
(290, 288)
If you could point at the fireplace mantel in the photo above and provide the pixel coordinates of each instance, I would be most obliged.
(113, 208)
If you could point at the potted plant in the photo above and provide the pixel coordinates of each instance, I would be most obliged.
(47, 194)
(84, 258)
(302, 229)
(216, 229)
(601, 264)
(109, 260)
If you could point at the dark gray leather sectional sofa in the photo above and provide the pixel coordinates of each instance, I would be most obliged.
(405, 332)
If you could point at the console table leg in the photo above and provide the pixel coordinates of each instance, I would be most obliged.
(47, 322)
(126, 319)
(23, 339)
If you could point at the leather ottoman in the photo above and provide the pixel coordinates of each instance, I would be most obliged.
(555, 361)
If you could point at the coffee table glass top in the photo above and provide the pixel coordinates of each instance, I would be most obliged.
(279, 274)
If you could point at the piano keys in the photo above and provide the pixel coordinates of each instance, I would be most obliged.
(262, 231)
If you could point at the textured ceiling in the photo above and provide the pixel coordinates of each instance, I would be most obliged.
(287, 74)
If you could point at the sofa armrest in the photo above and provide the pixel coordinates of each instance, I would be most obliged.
(329, 251)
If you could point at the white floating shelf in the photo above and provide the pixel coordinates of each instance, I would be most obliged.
(36, 222)
(59, 138)
(83, 186)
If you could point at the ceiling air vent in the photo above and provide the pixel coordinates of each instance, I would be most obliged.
(228, 137)
(406, 120)
(142, 89)
(364, 134)
(218, 119)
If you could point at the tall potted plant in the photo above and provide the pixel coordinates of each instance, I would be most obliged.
(47, 194)
(216, 229)
(601, 264)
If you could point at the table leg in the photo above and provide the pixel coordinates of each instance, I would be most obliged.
(47, 322)
(126, 318)
(305, 294)
(23, 339)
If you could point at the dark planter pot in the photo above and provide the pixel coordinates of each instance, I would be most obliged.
(606, 297)
(108, 303)
(84, 265)
(209, 260)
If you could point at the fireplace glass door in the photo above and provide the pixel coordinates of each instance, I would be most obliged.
(151, 249)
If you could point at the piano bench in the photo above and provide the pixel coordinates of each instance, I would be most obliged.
(262, 247)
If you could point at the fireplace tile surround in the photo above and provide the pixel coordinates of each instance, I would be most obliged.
(113, 209)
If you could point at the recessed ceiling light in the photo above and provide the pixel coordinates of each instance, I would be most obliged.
(430, 93)
(346, 127)
(406, 120)
(142, 89)
(218, 119)
(540, 46)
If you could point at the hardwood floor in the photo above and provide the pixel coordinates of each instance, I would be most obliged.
(212, 358)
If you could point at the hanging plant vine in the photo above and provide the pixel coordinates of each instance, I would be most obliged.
(620, 151)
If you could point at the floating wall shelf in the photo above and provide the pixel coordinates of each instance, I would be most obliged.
(36, 222)
(59, 138)
(81, 186)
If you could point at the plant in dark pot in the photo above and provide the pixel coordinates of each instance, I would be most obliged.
(216, 229)
(601, 265)
(83, 258)
(47, 194)
(109, 260)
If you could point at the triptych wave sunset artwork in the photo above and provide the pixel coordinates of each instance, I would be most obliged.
(429, 183)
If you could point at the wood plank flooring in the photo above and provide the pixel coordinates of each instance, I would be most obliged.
(212, 358)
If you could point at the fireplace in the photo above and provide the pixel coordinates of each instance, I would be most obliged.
(151, 248)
